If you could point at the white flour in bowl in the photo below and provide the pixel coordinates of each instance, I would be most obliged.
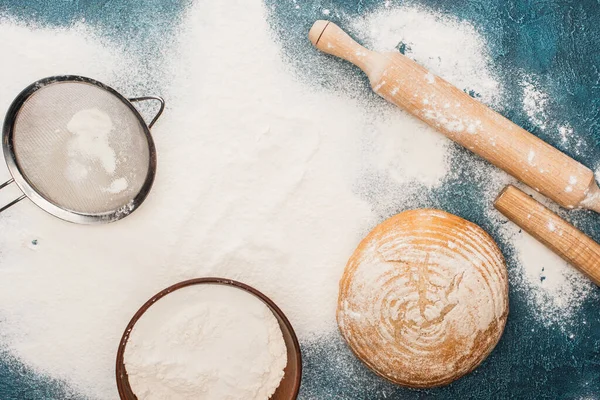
(206, 342)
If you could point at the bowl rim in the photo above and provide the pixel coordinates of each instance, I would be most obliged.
(120, 369)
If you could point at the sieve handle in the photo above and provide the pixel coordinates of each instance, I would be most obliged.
(15, 201)
(155, 98)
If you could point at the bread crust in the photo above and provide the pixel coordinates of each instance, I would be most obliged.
(424, 298)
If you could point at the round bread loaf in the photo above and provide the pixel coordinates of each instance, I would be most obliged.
(424, 298)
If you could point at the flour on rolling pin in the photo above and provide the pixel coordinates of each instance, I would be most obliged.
(463, 119)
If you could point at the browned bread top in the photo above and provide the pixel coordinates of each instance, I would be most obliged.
(424, 298)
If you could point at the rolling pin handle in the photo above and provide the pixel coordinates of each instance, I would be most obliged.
(317, 31)
(331, 39)
(561, 237)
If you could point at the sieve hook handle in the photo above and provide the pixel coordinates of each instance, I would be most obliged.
(155, 98)
(15, 201)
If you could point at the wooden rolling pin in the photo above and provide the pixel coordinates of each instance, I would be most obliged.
(561, 237)
(463, 119)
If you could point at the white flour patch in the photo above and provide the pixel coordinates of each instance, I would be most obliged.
(399, 140)
(568, 138)
(535, 102)
(398, 154)
(76, 171)
(565, 132)
(117, 186)
(37, 53)
(531, 157)
(449, 47)
(91, 129)
(62, 285)
(256, 180)
(555, 289)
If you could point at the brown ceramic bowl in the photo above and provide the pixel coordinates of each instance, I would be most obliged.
(290, 384)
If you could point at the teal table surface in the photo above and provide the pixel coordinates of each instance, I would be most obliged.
(558, 40)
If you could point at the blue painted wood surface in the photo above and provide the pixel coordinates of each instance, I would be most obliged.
(557, 40)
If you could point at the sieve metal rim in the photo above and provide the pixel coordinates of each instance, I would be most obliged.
(37, 198)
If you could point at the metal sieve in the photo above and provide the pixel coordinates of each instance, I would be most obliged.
(79, 150)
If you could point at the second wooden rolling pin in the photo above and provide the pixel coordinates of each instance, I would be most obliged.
(561, 237)
(463, 119)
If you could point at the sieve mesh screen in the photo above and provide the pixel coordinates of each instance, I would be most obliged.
(80, 147)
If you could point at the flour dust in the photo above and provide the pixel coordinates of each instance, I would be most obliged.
(234, 334)
(555, 289)
(256, 179)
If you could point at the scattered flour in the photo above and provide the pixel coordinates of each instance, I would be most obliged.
(206, 342)
(445, 45)
(397, 140)
(256, 180)
(91, 129)
(75, 170)
(531, 157)
(566, 132)
(534, 102)
(555, 288)
(117, 186)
